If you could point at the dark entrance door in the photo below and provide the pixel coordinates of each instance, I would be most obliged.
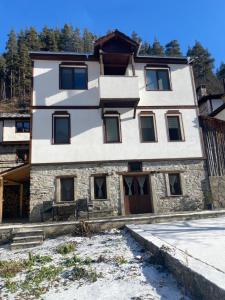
(11, 208)
(136, 194)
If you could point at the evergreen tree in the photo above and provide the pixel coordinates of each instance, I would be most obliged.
(32, 39)
(11, 57)
(135, 37)
(157, 48)
(48, 40)
(2, 78)
(67, 38)
(145, 49)
(221, 74)
(77, 41)
(88, 41)
(173, 49)
(203, 68)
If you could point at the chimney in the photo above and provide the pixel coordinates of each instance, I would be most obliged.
(201, 91)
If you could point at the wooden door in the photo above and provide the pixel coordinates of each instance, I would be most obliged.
(137, 198)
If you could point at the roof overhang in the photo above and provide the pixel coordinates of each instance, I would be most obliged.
(18, 174)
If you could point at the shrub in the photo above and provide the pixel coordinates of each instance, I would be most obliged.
(120, 260)
(69, 262)
(37, 259)
(11, 286)
(66, 248)
(83, 229)
(89, 275)
(11, 268)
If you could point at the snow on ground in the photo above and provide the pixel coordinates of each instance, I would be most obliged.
(122, 268)
(203, 239)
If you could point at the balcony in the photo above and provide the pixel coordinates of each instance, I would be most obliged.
(118, 91)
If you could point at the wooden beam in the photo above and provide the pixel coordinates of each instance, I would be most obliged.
(1, 198)
(21, 200)
(101, 63)
(132, 64)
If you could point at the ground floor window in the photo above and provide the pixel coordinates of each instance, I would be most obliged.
(175, 184)
(100, 191)
(67, 189)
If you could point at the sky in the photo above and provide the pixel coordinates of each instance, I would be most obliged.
(186, 21)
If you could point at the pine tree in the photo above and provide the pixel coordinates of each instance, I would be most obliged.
(67, 38)
(173, 49)
(32, 39)
(221, 74)
(157, 49)
(11, 57)
(2, 78)
(77, 41)
(88, 41)
(135, 37)
(48, 40)
(203, 65)
(145, 49)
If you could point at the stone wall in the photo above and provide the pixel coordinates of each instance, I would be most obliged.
(217, 196)
(8, 156)
(194, 183)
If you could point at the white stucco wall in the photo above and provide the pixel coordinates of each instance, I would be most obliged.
(87, 138)
(46, 86)
(10, 134)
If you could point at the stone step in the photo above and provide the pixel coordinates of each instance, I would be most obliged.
(23, 233)
(15, 246)
(31, 238)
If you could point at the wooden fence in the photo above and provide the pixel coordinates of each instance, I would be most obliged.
(214, 140)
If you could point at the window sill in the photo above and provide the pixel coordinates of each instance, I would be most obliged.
(177, 141)
(100, 199)
(149, 142)
(170, 90)
(73, 89)
(113, 142)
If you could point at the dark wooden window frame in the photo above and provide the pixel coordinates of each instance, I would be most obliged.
(148, 114)
(181, 187)
(60, 191)
(117, 117)
(72, 66)
(105, 182)
(22, 121)
(155, 68)
(133, 162)
(179, 115)
(60, 115)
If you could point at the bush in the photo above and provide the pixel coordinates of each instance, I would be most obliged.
(89, 275)
(66, 248)
(11, 268)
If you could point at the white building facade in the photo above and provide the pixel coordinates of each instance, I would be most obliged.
(116, 128)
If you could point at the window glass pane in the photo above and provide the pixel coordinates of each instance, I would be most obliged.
(80, 78)
(100, 187)
(67, 189)
(112, 129)
(147, 129)
(66, 78)
(163, 80)
(151, 79)
(135, 166)
(19, 126)
(61, 130)
(174, 128)
(175, 186)
(26, 126)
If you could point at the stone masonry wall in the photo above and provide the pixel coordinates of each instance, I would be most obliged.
(194, 183)
(217, 196)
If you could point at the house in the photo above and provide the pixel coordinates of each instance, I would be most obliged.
(117, 128)
(211, 105)
(14, 139)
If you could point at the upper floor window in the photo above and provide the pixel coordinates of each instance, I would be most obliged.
(174, 128)
(61, 129)
(157, 80)
(22, 126)
(112, 129)
(73, 78)
(147, 128)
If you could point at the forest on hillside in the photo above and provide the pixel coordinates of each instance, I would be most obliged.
(15, 64)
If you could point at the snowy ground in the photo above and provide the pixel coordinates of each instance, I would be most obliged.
(116, 268)
(199, 243)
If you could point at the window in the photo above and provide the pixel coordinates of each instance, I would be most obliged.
(73, 78)
(112, 130)
(67, 189)
(157, 80)
(22, 155)
(147, 127)
(174, 129)
(22, 126)
(135, 166)
(61, 129)
(175, 184)
(100, 191)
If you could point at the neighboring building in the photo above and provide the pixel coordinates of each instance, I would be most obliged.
(14, 139)
(211, 105)
(117, 128)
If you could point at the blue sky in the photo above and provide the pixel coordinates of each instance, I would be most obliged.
(187, 21)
